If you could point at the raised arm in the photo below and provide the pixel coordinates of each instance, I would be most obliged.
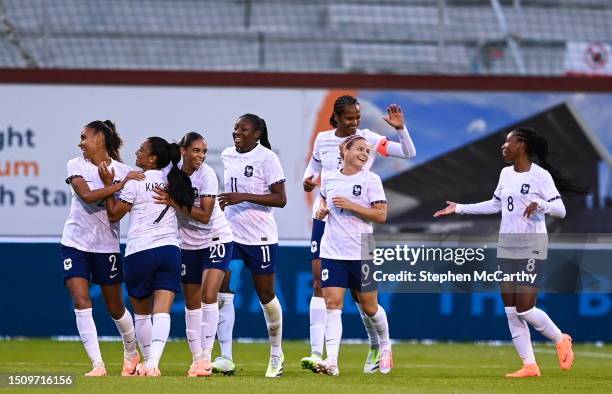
(405, 149)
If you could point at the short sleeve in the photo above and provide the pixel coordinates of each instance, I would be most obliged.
(273, 172)
(74, 171)
(129, 192)
(548, 189)
(209, 185)
(376, 193)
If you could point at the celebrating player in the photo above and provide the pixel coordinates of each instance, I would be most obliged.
(90, 243)
(206, 249)
(254, 183)
(326, 157)
(525, 193)
(353, 197)
(152, 255)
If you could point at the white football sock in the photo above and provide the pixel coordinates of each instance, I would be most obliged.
(225, 329)
(333, 333)
(521, 337)
(541, 322)
(144, 330)
(193, 330)
(379, 321)
(160, 332)
(210, 320)
(318, 316)
(125, 325)
(89, 334)
(370, 329)
(273, 313)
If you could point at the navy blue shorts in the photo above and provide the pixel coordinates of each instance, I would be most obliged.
(318, 227)
(194, 262)
(347, 274)
(153, 269)
(100, 268)
(520, 267)
(260, 259)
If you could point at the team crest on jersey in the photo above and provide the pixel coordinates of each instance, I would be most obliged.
(357, 190)
(248, 171)
(525, 188)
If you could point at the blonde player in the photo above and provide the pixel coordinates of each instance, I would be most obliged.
(152, 255)
(353, 198)
(206, 250)
(345, 119)
(525, 193)
(90, 243)
(254, 184)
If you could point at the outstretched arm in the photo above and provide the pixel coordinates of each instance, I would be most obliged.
(482, 208)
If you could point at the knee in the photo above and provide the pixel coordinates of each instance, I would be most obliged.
(369, 309)
(209, 298)
(316, 287)
(116, 311)
(224, 288)
(333, 303)
(266, 296)
(521, 308)
(81, 301)
(193, 303)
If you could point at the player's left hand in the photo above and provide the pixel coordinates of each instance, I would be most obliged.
(395, 117)
(226, 199)
(343, 203)
(107, 176)
(531, 209)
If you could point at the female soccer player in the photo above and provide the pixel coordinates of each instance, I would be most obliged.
(326, 157)
(254, 183)
(90, 244)
(206, 249)
(525, 192)
(152, 255)
(353, 197)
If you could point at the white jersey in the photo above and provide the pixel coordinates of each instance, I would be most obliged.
(326, 151)
(87, 227)
(151, 225)
(252, 172)
(342, 239)
(514, 192)
(195, 234)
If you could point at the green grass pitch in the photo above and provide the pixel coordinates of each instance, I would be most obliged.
(418, 368)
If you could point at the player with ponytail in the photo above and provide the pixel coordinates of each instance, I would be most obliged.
(525, 193)
(89, 249)
(152, 255)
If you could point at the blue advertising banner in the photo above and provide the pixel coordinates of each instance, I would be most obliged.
(35, 303)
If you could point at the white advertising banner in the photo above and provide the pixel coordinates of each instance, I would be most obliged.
(588, 58)
(40, 128)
